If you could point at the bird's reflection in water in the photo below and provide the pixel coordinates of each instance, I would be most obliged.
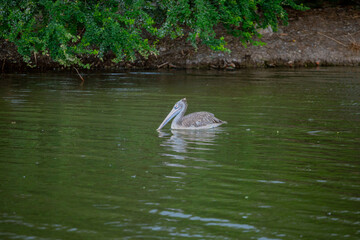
(185, 141)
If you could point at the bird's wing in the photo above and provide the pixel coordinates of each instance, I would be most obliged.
(199, 119)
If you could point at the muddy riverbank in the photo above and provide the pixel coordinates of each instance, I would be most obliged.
(317, 37)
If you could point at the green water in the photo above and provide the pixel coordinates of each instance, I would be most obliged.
(85, 162)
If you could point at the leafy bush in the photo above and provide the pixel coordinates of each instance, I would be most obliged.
(69, 29)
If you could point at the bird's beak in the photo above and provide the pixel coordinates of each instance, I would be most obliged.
(170, 116)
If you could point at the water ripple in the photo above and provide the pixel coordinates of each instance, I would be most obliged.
(207, 221)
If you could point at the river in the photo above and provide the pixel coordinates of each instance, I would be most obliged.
(86, 162)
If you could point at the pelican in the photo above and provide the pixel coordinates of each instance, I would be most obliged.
(196, 120)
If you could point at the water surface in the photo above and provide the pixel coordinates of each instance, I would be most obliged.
(85, 162)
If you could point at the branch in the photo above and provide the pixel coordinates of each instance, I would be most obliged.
(82, 79)
(332, 39)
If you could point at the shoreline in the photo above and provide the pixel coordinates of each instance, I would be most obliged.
(316, 37)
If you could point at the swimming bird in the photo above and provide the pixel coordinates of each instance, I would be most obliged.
(196, 120)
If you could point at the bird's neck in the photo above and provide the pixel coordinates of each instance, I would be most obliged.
(177, 119)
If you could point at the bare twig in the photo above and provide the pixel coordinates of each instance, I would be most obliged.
(162, 65)
(35, 58)
(332, 39)
(3, 65)
(82, 79)
(354, 45)
(172, 65)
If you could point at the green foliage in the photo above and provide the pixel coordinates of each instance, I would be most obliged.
(69, 29)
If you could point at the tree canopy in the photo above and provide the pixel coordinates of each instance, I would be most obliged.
(68, 29)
